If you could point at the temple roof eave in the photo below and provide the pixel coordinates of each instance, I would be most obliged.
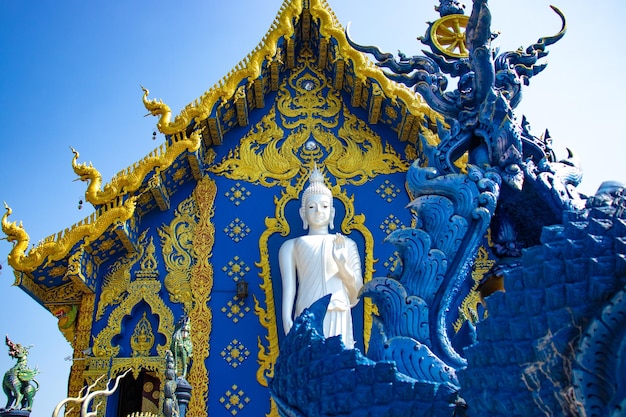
(59, 246)
(257, 65)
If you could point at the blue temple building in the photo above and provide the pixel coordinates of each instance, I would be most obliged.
(491, 286)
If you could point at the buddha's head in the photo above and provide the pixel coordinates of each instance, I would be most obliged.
(316, 208)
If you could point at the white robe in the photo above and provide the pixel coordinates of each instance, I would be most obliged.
(317, 274)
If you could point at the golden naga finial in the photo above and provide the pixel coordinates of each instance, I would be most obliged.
(165, 124)
(89, 174)
(15, 233)
(157, 108)
(130, 180)
(53, 249)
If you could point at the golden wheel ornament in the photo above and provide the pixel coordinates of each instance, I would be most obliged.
(448, 35)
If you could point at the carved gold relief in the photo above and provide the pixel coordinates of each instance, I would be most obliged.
(259, 157)
(80, 344)
(235, 309)
(176, 243)
(187, 244)
(469, 306)
(237, 230)
(237, 194)
(145, 287)
(116, 281)
(265, 155)
(139, 290)
(74, 272)
(142, 338)
(200, 314)
(234, 400)
(57, 271)
(314, 104)
(235, 353)
(362, 155)
(388, 191)
(148, 265)
(66, 293)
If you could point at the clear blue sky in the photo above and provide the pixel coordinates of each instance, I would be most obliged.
(71, 71)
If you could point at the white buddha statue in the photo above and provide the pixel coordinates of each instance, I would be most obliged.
(320, 263)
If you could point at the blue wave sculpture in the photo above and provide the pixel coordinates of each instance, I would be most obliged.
(554, 341)
(315, 377)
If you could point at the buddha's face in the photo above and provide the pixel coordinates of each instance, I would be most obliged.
(318, 211)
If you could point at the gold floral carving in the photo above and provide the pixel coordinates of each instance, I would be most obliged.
(177, 247)
(266, 156)
(132, 178)
(146, 288)
(139, 290)
(55, 249)
(67, 293)
(148, 265)
(138, 364)
(116, 281)
(361, 156)
(260, 156)
(201, 315)
(315, 104)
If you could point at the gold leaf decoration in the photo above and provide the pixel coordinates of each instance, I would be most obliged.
(81, 344)
(201, 315)
(177, 247)
(146, 288)
(116, 281)
(260, 157)
(142, 339)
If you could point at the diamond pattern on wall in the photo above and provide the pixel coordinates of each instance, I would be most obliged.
(392, 262)
(390, 224)
(388, 191)
(235, 353)
(235, 309)
(237, 194)
(234, 400)
(237, 230)
(236, 268)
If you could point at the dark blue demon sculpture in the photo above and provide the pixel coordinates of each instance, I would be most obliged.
(554, 339)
